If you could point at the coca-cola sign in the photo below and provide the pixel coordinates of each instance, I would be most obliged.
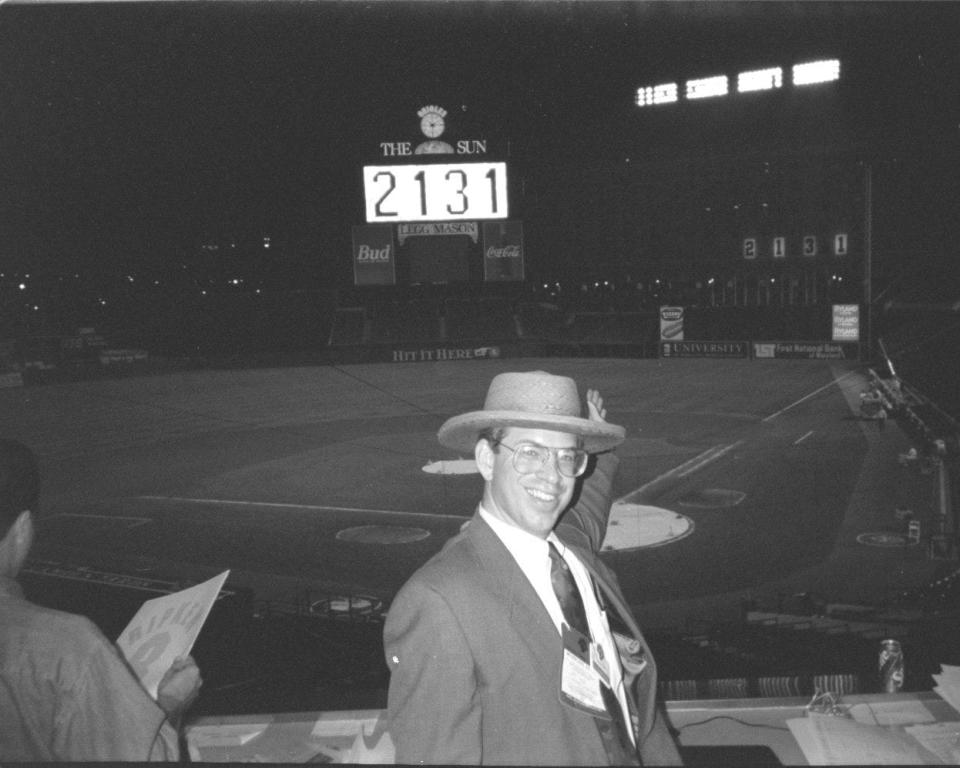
(506, 252)
(502, 251)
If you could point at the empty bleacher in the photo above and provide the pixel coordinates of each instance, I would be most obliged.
(495, 320)
(420, 321)
(539, 321)
(462, 317)
(488, 319)
(610, 328)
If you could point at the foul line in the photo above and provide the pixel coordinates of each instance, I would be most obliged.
(807, 397)
(282, 505)
(682, 470)
(136, 521)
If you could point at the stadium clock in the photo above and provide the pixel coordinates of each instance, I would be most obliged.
(432, 125)
(435, 192)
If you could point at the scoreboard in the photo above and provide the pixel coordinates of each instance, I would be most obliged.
(435, 192)
(436, 207)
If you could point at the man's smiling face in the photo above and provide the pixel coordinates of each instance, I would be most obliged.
(532, 501)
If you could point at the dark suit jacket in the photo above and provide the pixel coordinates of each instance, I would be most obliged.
(475, 661)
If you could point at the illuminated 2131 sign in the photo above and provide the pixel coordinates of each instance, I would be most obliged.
(435, 192)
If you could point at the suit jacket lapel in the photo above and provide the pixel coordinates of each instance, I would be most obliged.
(527, 615)
(615, 603)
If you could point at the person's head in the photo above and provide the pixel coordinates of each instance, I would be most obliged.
(530, 443)
(19, 496)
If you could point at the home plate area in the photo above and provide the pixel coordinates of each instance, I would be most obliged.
(634, 526)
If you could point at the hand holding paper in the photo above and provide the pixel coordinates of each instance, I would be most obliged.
(179, 687)
(163, 631)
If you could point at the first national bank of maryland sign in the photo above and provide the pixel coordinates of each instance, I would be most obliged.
(436, 186)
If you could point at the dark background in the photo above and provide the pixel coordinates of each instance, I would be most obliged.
(133, 133)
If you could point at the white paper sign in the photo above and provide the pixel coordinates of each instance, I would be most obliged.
(166, 628)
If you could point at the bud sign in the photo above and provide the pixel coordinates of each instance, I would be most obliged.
(374, 255)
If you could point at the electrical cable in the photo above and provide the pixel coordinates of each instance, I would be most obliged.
(736, 720)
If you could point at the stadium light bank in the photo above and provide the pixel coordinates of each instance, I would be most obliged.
(770, 78)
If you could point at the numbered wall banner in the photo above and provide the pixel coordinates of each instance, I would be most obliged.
(840, 244)
(502, 251)
(846, 322)
(374, 255)
(671, 323)
(782, 247)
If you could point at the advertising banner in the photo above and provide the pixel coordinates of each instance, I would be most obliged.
(671, 323)
(805, 350)
(846, 322)
(502, 251)
(439, 354)
(705, 349)
(428, 228)
(374, 255)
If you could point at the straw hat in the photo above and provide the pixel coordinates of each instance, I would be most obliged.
(534, 400)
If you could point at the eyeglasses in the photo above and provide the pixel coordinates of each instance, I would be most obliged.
(530, 457)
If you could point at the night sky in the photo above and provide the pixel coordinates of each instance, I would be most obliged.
(131, 131)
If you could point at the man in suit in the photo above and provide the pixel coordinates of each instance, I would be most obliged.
(514, 644)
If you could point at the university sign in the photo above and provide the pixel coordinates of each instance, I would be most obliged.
(735, 349)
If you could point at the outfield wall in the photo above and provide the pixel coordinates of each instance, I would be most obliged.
(746, 350)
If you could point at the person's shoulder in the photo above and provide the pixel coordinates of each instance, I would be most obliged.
(68, 629)
(454, 564)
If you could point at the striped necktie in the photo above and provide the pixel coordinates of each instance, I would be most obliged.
(571, 603)
(613, 732)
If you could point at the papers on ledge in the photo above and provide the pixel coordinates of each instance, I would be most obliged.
(948, 685)
(827, 740)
